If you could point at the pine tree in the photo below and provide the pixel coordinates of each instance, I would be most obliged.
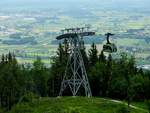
(66, 47)
(108, 76)
(127, 66)
(102, 57)
(10, 57)
(58, 69)
(40, 77)
(131, 66)
(93, 58)
(60, 52)
(84, 56)
(3, 58)
(146, 88)
(11, 81)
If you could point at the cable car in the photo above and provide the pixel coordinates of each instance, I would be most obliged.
(109, 47)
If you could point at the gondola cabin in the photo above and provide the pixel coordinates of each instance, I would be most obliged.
(109, 47)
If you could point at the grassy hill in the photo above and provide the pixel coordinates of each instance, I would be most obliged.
(75, 105)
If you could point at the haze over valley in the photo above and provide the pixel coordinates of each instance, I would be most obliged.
(29, 27)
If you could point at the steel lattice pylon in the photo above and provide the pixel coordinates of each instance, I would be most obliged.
(75, 74)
